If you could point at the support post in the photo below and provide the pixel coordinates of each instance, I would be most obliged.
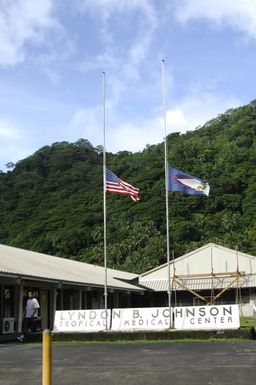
(20, 314)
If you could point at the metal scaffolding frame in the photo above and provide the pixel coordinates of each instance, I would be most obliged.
(234, 279)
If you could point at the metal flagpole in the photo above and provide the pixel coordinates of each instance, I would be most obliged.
(166, 197)
(104, 198)
(212, 276)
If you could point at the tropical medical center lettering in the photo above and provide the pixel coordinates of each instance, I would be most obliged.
(207, 317)
(160, 318)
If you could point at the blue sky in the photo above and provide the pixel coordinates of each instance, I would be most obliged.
(53, 53)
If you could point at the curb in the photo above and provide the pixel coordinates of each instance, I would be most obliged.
(108, 336)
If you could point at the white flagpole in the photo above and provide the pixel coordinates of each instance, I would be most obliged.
(166, 197)
(104, 198)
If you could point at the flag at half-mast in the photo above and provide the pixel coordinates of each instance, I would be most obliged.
(187, 184)
(116, 185)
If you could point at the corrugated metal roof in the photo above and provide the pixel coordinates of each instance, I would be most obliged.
(201, 283)
(20, 262)
(210, 257)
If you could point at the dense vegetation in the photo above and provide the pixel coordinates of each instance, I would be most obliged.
(52, 201)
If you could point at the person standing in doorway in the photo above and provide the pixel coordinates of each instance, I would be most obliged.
(31, 312)
(30, 315)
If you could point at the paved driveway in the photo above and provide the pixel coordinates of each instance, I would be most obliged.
(197, 363)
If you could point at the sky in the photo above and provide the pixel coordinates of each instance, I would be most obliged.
(53, 54)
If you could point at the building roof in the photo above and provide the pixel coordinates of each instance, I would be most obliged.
(33, 265)
(208, 267)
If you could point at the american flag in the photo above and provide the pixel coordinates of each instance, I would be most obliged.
(116, 185)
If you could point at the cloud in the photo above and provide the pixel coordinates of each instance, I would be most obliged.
(8, 131)
(193, 111)
(134, 137)
(196, 109)
(23, 22)
(87, 123)
(106, 8)
(126, 30)
(13, 143)
(238, 14)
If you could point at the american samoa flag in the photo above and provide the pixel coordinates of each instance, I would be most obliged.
(116, 185)
(187, 184)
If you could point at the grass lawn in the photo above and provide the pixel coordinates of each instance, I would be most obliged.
(248, 322)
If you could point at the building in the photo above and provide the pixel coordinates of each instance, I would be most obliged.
(59, 284)
(209, 275)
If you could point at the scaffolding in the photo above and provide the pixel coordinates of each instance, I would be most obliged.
(232, 279)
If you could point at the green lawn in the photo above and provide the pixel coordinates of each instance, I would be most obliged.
(246, 322)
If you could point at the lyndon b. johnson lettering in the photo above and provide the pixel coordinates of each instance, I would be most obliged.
(140, 319)
(81, 320)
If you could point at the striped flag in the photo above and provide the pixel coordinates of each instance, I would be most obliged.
(116, 185)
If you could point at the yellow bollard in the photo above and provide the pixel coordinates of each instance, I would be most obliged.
(47, 358)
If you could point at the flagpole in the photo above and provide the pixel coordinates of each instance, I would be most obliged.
(166, 197)
(104, 198)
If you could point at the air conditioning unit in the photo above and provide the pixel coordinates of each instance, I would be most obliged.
(8, 325)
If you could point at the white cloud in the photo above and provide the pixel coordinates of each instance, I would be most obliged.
(106, 8)
(193, 111)
(238, 14)
(87, 123)
(8, 131)
(13, 145)
(196, 110)
(86, 117)
(135, 137)
(122, 58)
(23, 22)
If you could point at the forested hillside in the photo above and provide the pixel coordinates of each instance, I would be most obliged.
(52, 201)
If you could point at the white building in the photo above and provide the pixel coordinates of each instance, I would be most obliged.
(59, 284)
(211, 274)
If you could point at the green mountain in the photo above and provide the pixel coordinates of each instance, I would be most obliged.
(52, 201)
